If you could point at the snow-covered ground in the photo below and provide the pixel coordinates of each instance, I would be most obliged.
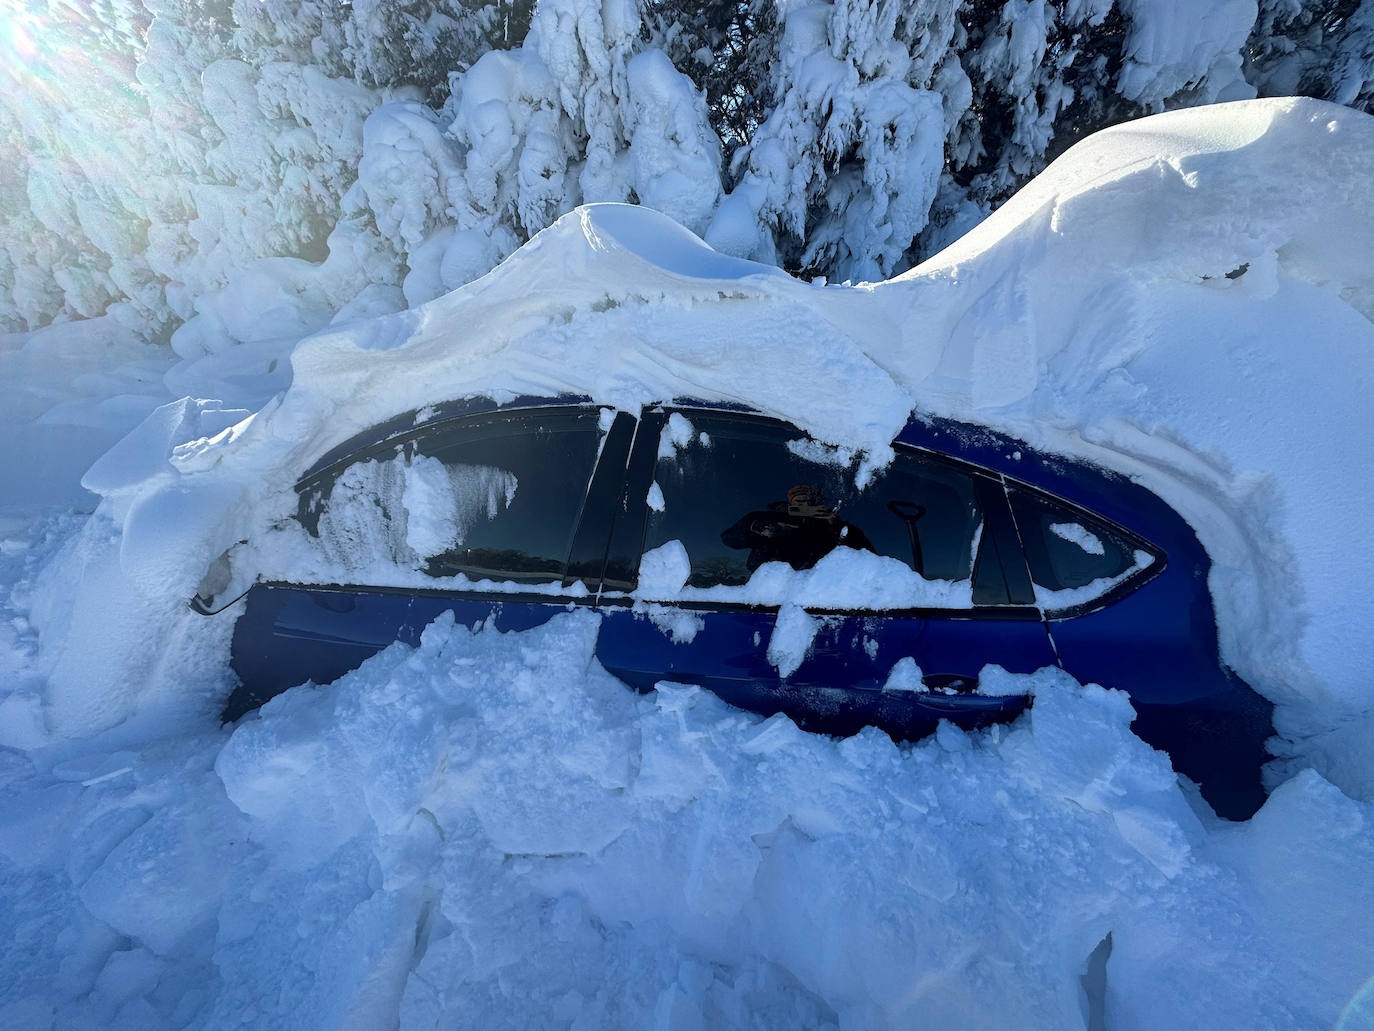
(489, 830)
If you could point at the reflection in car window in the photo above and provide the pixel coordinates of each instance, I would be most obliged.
(741, 492)
(1065, 549)
(492, 498)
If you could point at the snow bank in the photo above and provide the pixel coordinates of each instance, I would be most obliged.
(67, 393)
(468, 833)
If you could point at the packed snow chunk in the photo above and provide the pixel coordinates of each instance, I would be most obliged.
(1294, 885)
(1308, 841)
(164, 880)
(996, 682)
(792, 638)
(681, 625)
(1334, 744)
(821, 454)
(1095, 760)
(655, 498)
(663, 571)
(677, 433)
(146, 451)
(283, 776)
(905, 675)
(844, 578)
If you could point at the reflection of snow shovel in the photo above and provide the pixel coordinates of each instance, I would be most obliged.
(909, 512)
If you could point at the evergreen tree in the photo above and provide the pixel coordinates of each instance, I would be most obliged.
(154, 152)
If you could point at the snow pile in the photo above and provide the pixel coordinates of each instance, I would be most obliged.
(845, 99)
(470, 833)
(67, 394)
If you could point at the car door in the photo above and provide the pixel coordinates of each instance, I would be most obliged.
(499, 516)
(753, 561)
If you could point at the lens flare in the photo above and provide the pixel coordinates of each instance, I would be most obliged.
(1358, 1014)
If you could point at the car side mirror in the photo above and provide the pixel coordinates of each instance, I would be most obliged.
(224, 583)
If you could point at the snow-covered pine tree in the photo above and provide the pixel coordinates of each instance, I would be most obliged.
(726, 48)
(1315, 48)
(840, 175)
(584, 110)
(376, 153)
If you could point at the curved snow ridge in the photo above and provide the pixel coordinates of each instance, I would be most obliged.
(607, 301)
(1198, 192)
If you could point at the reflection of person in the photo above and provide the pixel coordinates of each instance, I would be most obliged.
(799, 531)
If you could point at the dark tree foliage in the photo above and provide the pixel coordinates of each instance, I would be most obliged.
(725, 47)
(1314, 48)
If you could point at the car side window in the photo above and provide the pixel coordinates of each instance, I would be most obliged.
(1068, 550)
(739, 492)
(495, 497)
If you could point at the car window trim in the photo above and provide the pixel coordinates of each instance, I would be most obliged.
(1131, 582)
(608, 456)
(592, 530)
(456, 593)
(1014, 612)
(401, 439)
(446, 415)
(652, 420)
(630, 521)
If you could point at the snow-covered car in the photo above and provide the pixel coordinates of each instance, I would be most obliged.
(729, 550)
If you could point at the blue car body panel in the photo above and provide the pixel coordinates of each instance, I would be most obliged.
(1155, 638)
(289, 634)
(839, 685)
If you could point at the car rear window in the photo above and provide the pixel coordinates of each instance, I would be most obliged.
(1067, 549)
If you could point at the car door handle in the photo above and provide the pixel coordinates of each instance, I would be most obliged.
(950, 682)
(937, 695)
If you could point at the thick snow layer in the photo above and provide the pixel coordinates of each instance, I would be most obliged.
(470, 834)
(67, 393)
(491, 830)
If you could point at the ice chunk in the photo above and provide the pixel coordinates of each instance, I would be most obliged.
(663, 571)
(792, 638)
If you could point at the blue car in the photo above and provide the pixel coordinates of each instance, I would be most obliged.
(990, 555)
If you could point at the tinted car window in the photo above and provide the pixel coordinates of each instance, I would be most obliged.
(497, 497)
(739, 492)
(1065, 548)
